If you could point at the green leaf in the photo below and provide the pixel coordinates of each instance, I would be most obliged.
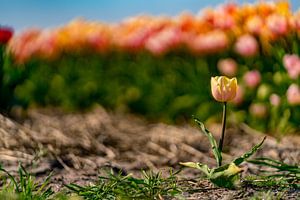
(226, 176)
(203, 168)
(242, 158)
(212, 141)
(280, 166)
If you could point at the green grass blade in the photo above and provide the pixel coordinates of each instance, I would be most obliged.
(12, 179)
(244, 157)
(74, 187)
(280, 166)
(212, 141)
(45, 183)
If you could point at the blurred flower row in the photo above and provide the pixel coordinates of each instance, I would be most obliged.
(245, 29)
(257, 43)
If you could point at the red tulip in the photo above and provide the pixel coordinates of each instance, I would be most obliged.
(5, 34)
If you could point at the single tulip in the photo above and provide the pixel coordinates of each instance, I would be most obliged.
(5, 34)
(246, 45)
(275, 99)
(293, 94)
(292, 64)
(277, 24)
(258, 110)
(223, 89)
(252, 78)
(227, 67)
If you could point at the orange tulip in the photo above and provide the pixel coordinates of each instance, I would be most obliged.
(223, 89)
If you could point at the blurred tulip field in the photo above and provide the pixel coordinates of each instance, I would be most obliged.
(160, 67)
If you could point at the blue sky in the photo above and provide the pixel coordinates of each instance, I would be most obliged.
(21, 14)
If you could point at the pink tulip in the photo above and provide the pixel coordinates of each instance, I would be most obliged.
(252, 78)
(275, 99)
(277, 24)
(223, 21)
(292, 64)
(227, 67)
(293, 94)
(211, 42)
(289, 60)
(163, 41)
(23, 46)
(246, 45)
(258, 110)
(46, 45)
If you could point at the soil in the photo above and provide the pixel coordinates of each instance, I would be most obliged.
(77, 147)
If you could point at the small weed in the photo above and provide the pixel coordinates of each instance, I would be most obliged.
(284, 176)
(115, 186)
(25, 187)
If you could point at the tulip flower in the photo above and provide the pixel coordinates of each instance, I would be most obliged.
(223, 90)
(5, 34)
(252, 78)
(227, 67)
(246, 45)
(254, 24)
(293, 94)
(277, 24)
(275, 99)
(224, 175)
(163, 41)
(292, 64)
(258, 110)
(212, 42)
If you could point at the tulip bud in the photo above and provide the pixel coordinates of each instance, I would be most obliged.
(292, 64)
(278, 78)
(223, 89)
(227, 67)
(293, 94)
(263, 91)
(277, 24)
(275, 99)
(246, 45)
(254, 24)
(252, 78)
(258, 110)
(5, 34)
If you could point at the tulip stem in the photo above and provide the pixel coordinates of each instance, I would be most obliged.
(223, 131)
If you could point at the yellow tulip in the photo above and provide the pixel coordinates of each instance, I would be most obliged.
(223, 89)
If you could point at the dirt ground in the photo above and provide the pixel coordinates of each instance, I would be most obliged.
(78, 146)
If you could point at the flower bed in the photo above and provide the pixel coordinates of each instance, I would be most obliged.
(160, 66)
